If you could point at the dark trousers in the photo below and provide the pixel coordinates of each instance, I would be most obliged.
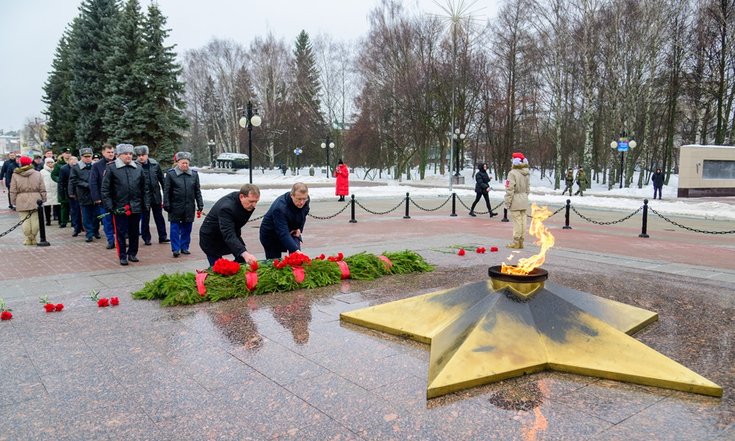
(10, 204)
(487, 201)
(64, 214)
(126, 229)
(657, 189)
(180, 236)
(88, 220)
(75, 214)
(49, 211)
(145, 217)
(106, 223)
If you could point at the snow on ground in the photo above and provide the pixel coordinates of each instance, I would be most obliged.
(437, 187)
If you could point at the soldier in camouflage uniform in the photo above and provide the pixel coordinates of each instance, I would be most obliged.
(569, 181)
(581, 181)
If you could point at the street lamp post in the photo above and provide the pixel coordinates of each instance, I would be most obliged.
(250, 119)
(456, 137)
(623, 144)
(328, 145)
(210, 144)
(297, 151)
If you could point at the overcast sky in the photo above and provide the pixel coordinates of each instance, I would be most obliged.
(30, 31)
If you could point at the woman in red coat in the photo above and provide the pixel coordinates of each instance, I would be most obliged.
(343, 180)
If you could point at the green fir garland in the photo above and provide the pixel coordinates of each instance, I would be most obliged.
(181, 289)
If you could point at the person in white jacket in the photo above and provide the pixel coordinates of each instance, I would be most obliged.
(51, 208)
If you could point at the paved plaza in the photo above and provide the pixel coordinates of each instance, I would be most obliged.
(283, 366)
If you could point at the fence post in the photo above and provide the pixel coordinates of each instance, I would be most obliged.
(454, 204)
(41, 225)
(505, 215)
(566, 216)
(352, 210)
(644, 227)
(407, 216)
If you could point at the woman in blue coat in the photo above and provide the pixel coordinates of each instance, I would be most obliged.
(180, 194)
(284, 222)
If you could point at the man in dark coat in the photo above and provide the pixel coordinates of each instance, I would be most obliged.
(154, 180)
(79, 192)
(6, 174)
(658, 182)
(62, 187)
(284, 222)
(221, 233)
(73, 212)
(181, 192)
(124, 195)
(95, 190)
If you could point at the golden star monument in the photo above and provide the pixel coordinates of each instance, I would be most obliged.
(488, 331)
(517, 323)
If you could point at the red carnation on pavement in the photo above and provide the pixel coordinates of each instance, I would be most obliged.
(493, 249)
(6, 315)
(49, 307)
(59, 307)
(461, 252)
(103, 302)
(480, 250)
(114, 301)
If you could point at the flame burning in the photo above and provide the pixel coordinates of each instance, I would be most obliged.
(545, 241)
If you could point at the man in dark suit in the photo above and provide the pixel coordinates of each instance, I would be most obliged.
(221, 233)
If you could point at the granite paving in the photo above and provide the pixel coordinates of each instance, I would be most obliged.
(283, 366)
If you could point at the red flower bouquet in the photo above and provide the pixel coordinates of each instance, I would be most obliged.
(5, 313)
(225, 267)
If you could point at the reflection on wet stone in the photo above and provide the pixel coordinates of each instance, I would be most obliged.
(236, 324)
(295, 316)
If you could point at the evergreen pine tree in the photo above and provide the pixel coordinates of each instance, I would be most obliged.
(305, 96)
(162, 106)
(92, 46)
(126, 81)
(62, 119)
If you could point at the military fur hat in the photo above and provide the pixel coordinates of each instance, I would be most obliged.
(85, 151)
(183, 155)
(123, 148)
(141, 150)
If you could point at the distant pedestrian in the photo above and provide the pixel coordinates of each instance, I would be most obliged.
(342, 188)
(283, 224)
(26, 189)
(124, 195)
(51, 206)
(6, 174)
(658, 182)
(568, 182)
(482, 189)
(221, 231)
(95, 188)
(181, 196)
(37, 163)
(581, 181)
(517, 187)
(154, 183)
(79, 193)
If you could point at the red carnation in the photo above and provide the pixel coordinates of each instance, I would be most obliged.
(460, 252)
(103, 302)
(127, 207)
(59, 307)
(254, 266)
(128, 212)
(225, 267)
(321, 256)
(199, 214)
(114, 301)
(493, 249)
(49, 307)
(6, 315)
(480, 250)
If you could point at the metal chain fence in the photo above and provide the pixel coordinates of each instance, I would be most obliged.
(495, 208)
(332, 216)
(378, 212)
(431, 209)
(696, 230)
(606, 223)
(19, 223)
